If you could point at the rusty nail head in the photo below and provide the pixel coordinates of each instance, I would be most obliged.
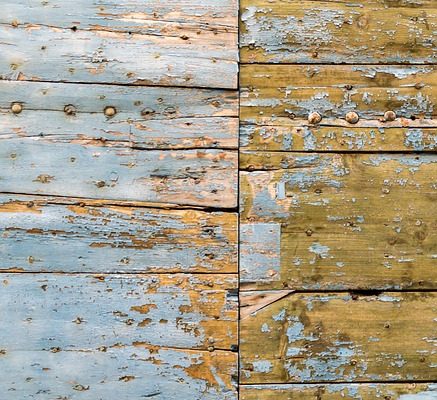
(16, 108)
(352, 117)
(70, 109)
(314, 118)
(110, 111)
(390, 116)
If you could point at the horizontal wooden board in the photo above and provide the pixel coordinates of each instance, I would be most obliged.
(338, 221)
(271, 92)
(276, 101)
(101, 171)
(341, 337)
(125, 16)
(38, 235)
(300, 136)
(146, 117)
(55, 312)
(119, 373)
(316, 31)
(122, 44)
(413, 391)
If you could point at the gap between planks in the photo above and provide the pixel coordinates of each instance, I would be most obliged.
(133, 85)
(68, 201)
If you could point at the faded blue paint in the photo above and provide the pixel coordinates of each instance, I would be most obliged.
(110, 239)
(260, 252)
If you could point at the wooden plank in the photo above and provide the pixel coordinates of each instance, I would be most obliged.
(119, 373)
(338, 221)
(53, 45)
(413, 391)
(103, 171)
(276, 101)
(146, 117)
(126, 16)
(56, 312)
(38, 236)
(118, 336)
(300, 136)
(366, 31)
(341, 337)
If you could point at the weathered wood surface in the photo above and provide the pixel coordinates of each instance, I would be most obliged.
(192, 43)
(366, 31)
(58, 312)
(413, 391)
(118, 336)
(341, 337)
(38, 235)
(147, 117)
(119, 373)
(102, 171)
(276, 101)
(338, 221)
(124, 16)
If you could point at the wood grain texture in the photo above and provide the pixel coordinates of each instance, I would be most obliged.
(146, 117)
(338, 221)
(276, 101)
(119, 373)
(123, 16)
(38, 235)
(341, 337)
(191, 44)
(58, 312)
(101, 171)
(414, 391)
(369, 31)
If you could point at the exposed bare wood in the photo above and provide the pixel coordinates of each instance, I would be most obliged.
(341, 337)
(366, 31)
(338, 221)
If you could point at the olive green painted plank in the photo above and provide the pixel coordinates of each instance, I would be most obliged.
(102, 171)
(39, 235)
(300, 136)
(305, 338)
(412, 391)
(276, 101)
(167, 54)
(365, 31)
(146, 117)
(338, 221)
(59, 312)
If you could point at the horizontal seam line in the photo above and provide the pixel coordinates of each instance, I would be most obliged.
(121, 203)
(131, 85)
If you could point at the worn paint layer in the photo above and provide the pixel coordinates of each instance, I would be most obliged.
(41, 236)
(146, 117)
(123, 43)
(341, 337)
(363, 31)
(102, 171)
(347, 221)
(58, 312)
(277, 100)
(123, 372)
(412, 391)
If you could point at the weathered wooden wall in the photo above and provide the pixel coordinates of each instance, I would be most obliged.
(118, 199)
(338, 184)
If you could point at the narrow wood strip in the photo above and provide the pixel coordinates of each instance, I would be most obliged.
(339, 392)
